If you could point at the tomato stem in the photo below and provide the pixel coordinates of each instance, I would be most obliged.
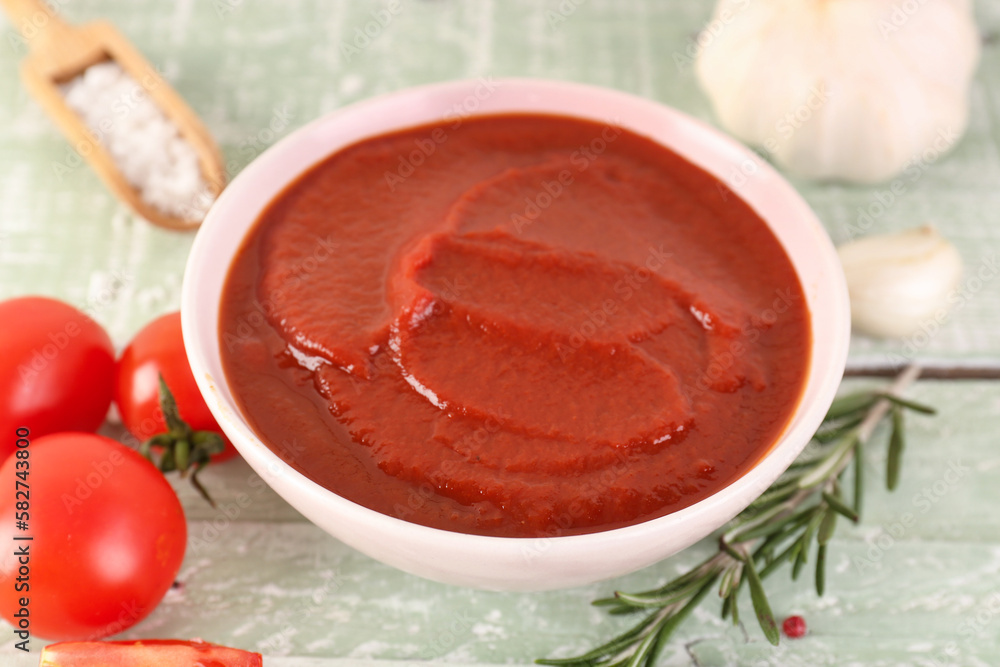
(182, 448)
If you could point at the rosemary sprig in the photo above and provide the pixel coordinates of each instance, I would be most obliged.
(779, 527)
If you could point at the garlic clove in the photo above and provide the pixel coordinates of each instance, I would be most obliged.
(901, 281)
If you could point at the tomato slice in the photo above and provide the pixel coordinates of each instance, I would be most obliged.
(145, 652)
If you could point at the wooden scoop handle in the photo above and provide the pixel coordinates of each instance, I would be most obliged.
(35, 19)
(60, 51)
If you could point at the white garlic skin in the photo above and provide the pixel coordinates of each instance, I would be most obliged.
(899, 282)
(841, 89)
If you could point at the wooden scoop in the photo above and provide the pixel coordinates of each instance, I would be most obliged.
(60, 52)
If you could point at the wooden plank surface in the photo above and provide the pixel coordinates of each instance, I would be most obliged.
(264, 578)
(256, 70)
(920, 573)
(922, 570)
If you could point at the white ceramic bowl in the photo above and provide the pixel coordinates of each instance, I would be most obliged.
(516, 563)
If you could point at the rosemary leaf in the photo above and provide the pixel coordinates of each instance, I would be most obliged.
(646, 645)
(779, 538)
(843, 406)
(908, 404)
(730, 551)
(831, 463)
(859, 476)
(606, 650)
(801, 557)
(605, 602)
(826, 528)
(705, 567)
(662, 600)
(760, 604)
(895, 457)
(676, 619)
(767, 528)
(652, 643)
(624, 610)
(821, 570)
(837, 505)
(790, 552)
(776, 494)
(829, 434)
(728, 582)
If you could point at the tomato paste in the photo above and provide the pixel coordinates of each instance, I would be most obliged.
(515, 325)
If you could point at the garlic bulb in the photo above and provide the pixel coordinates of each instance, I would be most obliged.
(841, 89)
(900, 282)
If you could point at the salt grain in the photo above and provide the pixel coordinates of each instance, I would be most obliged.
(146, 146)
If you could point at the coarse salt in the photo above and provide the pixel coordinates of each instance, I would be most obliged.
(145, 145)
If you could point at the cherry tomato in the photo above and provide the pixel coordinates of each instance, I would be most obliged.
(56, 369)
(159, 349)
(147, 652)
(108, 536)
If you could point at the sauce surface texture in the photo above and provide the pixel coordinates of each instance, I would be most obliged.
(515, 325)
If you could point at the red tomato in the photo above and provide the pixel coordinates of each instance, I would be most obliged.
(163, 652)
(159, 349)
(108, 537)
(56, 369)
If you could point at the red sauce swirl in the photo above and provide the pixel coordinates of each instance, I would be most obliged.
(547, 326)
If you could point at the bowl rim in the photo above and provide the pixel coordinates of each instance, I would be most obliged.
(824, 371)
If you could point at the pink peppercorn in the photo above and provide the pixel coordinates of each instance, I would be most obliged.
(794, 627)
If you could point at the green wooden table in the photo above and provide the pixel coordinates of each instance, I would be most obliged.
(260, 577)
